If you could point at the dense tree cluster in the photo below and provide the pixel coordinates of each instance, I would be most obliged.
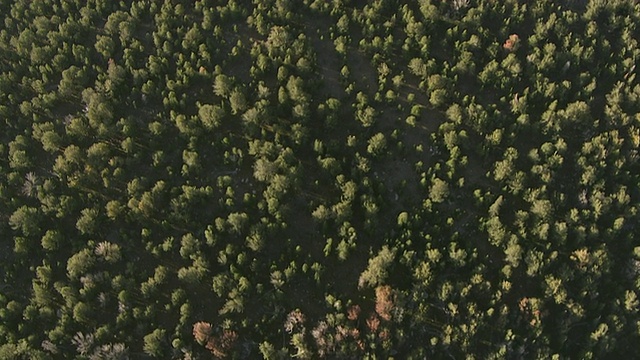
(319, 179)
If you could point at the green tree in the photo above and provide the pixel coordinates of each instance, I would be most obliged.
(18, 156)
(51, 240)
(222, 86)
(264, 170)
(513, 252)
(211, 116)
(82, 313)
(377, 144)
(512, 64)
(154, 343)
(99, 111)
(377, 270)
(105, 46)
(51, 141)
(88, 221)
(112, 26)
(192, 38)
(277, 41)
(237, 101)
(188, 246)
(439, 190)
(403, 219)
(418, 67)
(79, 263)
(366, 115)
(72, 81)
(542, 208)
(27, 220)
(238, 221)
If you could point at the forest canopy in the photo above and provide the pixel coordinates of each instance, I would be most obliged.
(272, 179)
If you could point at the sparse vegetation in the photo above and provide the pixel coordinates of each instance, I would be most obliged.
(319, 179)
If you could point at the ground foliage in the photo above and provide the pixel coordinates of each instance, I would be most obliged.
(338, 179)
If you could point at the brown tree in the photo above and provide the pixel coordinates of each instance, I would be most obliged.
(512, 43)
(384, 301)
(202, 332)
(218, 345)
